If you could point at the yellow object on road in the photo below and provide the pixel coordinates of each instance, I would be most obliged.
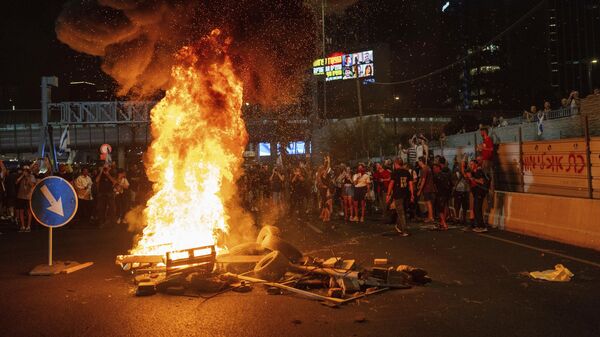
(560, 273)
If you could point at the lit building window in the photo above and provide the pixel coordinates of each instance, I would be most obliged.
(491, 48)
(486, 101)
(489, 69)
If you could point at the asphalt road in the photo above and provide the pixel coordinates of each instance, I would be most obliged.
(478, 289)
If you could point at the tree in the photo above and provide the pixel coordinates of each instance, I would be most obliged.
(343, 140)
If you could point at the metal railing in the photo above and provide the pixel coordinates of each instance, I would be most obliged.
(103, 112)
(553, 114)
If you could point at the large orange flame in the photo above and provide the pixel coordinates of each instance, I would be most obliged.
(198, 140)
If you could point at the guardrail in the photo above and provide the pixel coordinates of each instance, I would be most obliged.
(561, 167)
(554, 114)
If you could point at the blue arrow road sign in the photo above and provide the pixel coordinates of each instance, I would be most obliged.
(53, 202)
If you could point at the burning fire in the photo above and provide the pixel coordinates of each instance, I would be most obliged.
(198, 140)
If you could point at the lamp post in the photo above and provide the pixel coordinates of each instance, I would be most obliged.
(46, 131)
(590, 65)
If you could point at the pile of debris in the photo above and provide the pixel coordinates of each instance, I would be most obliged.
(270, 261)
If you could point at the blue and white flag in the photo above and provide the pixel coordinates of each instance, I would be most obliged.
(63, 145)
(540, 123)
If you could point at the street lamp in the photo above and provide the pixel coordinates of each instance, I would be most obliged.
(589, 69)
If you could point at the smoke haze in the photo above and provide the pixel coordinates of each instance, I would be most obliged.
(272, 41)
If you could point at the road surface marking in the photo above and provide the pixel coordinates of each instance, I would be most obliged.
(315, 229)
(543, 250)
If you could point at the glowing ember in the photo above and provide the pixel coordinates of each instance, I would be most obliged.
(199, 137)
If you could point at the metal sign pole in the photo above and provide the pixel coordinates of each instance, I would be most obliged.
(50, 246)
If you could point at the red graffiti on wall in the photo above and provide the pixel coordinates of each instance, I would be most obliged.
(573, 163)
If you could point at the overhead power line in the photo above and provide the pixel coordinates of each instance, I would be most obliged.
(476, 50)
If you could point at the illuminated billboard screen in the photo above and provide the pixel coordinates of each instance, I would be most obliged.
(264, 149)
(298, 147)
(346, 66)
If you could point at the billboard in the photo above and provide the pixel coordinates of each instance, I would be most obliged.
(346, 66)
(264, 149)
(298, 147)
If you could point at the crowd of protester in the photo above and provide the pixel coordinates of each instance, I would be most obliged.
(414, 186)
(105, 193)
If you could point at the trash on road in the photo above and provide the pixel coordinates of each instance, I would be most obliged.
(560, 273)
(271, 262)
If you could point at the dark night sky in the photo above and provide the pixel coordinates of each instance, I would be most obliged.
(29, 50)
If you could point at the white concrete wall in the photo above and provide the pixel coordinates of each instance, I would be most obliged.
(574, 221)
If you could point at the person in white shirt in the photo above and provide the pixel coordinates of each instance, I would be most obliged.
(574, 102)
(403, 153)
(419, 148)
(120, 187)
(25, 183)
(362, 182)
(83, 187)
(422, 148)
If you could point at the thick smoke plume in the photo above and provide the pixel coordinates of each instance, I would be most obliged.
(272, 41)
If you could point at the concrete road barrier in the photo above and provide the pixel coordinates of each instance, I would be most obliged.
(569, 220)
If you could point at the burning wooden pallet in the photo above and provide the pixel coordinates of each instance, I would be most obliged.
(270, 262)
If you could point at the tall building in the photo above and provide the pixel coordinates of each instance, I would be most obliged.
(574, 45)
(555, 49)
(504, 67)
(506, 55)
(466, 29)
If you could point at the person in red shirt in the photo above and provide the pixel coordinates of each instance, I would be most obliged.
(487, 147)
(382, 180)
